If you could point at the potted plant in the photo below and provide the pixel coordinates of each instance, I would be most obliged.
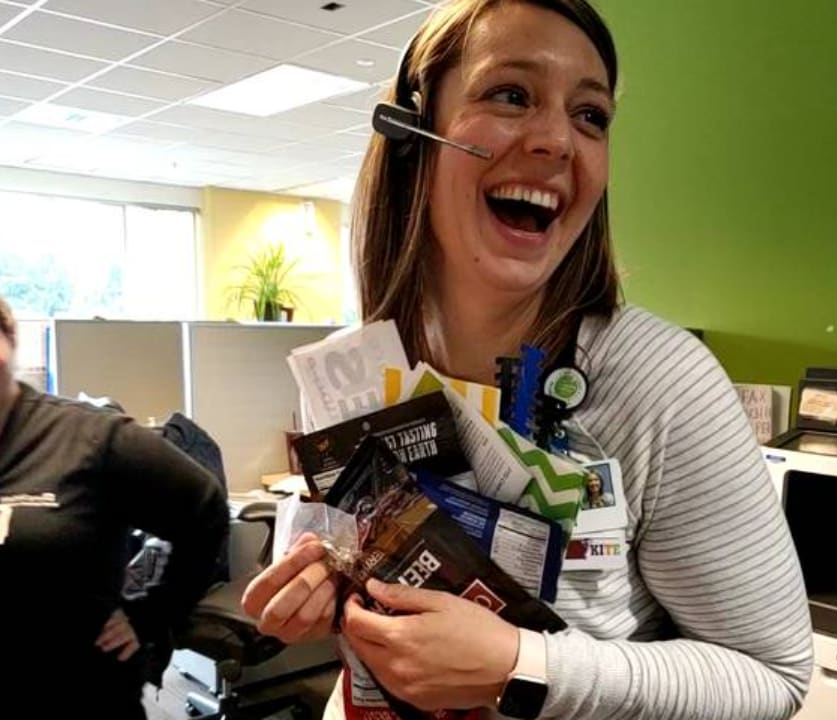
(265, 284)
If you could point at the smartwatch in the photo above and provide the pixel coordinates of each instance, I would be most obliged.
(524, 693)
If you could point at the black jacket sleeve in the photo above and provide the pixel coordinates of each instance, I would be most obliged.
(158, 489)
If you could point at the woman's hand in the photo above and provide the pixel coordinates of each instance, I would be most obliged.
(118, 634)
(295, 598)
(448, 653)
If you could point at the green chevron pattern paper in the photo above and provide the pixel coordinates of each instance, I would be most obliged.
(557, 484)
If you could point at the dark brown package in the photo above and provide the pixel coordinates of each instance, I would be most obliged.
(404, 537)
(421, 432)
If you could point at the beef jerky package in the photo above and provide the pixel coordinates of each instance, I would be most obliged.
(405, 537)
(528, 546)
(421, 432)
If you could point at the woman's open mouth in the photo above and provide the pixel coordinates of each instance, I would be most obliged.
(523, 209)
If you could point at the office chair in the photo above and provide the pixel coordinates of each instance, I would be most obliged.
(218, 629)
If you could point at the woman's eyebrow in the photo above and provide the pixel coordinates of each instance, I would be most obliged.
(534, 66)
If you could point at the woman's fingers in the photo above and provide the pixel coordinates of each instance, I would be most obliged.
(264, 587)
(291, 598)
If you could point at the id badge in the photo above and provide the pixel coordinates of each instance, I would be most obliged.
(598, 540)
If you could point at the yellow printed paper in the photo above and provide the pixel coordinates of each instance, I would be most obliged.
(401, 385)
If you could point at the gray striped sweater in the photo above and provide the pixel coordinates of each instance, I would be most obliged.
(709, 620)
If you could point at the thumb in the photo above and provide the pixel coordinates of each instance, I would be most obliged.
(396, 596)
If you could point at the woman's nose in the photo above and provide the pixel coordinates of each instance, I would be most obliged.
(550, 135)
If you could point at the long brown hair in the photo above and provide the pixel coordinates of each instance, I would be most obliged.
(391, 221)
(7, 322)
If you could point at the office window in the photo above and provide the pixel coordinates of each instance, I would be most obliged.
(63, 257)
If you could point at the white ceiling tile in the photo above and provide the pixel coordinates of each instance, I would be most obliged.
(364, 100)
(157, 131)
(246, 32)
(232, 141)
(9, 107)
(322, 116)
(209, 119)
(356, 15)
(78, 36)
(341, 59)
(399, 33)
(152, 84)
(192, 151)
(21, 141)
(340, 188)
(33, 61)
(7, 12)
(296, 177)
(302, 154)
(108, 102)
(157, 16)
(128, 158)
(202, 62)
(27, 88)
(344, 142)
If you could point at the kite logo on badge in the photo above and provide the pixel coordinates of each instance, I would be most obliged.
(567, 385)
(477, 592)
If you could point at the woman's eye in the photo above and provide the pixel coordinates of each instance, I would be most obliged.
(510, 96)
(596, 118)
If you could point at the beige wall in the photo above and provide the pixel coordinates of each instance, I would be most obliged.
(236, 223)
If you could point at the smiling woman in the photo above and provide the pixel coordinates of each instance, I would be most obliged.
(475, 254)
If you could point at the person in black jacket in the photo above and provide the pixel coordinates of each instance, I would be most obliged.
(74, 482)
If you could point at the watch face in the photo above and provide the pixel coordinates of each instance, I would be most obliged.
(523, 698)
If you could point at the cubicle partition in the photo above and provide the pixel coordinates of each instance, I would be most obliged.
(137, 364)
(243, 393)
(232, 379)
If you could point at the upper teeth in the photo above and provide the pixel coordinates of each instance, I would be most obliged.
(544, 198)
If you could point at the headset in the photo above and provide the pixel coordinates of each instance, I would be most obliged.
(402, 121)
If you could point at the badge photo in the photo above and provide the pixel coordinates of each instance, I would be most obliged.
(603, 504)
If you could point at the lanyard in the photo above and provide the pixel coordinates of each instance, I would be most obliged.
(537, 400)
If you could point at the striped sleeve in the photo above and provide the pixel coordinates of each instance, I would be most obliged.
(711, 546)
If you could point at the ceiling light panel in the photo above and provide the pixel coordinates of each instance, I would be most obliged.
(278, 89)
(78, 36)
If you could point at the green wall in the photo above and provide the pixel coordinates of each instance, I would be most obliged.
(724, 175)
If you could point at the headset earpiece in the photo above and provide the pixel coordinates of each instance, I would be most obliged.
(394, 122)
(403, 121)
(406, 111)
